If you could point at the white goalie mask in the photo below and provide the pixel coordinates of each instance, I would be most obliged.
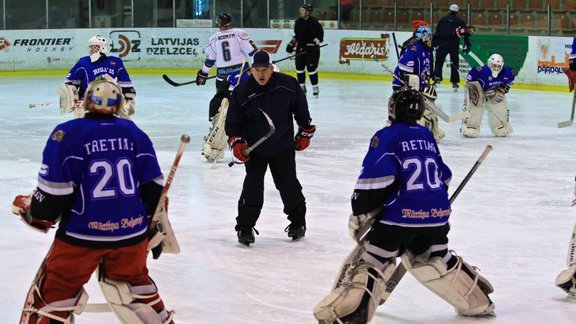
(495, 63)
(97, 45)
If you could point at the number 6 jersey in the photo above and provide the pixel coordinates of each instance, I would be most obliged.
(403, 173)
(99, 161)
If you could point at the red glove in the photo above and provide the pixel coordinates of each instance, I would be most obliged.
(238, 146)
(302, 139)
(21, 207)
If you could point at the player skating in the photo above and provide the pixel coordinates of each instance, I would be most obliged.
(100, 180)
(486, 89)
(403, 175)
(308, 35)
(228, 49)
(86, 70)
(414, 70)
(280, 97)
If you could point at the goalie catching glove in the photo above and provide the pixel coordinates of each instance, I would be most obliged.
(302, 138)
(238, 146)
(21, 207)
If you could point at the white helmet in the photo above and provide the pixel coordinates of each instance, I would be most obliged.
(495, 63)
(97, 41)
(103, 97)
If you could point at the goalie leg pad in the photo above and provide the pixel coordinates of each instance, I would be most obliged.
(430, 120)
(123, 301)
(566, 281)
(357, 291)
(61, 310)
(127, 109)
(216, 141)
(499, 117)
(474, 103)
(461, 286)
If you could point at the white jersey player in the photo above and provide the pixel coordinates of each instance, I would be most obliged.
(228, 49)
(486, 88)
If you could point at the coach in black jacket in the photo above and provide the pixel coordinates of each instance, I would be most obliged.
(281, 98)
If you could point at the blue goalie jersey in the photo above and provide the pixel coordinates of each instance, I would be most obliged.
(405, 158)
(483, 74)
(416, 60)
(84, 72)
(101, 161)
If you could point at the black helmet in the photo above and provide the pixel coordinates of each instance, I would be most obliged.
(406, 104)
(308, 7)
(223, 19)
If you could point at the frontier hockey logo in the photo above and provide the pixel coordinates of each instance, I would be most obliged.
(3, 43)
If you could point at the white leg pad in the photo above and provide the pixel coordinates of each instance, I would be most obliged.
(499, 117)
(216, 141)
(75, 305)
(120, 296)
(468, 295)
(474, 103)
(352, 284)
(566, 281)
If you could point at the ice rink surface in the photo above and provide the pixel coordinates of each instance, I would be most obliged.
(513, 220)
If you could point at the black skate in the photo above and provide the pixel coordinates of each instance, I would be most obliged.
(246, 235)
(295, 231)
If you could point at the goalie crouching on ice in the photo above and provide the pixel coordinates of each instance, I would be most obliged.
(99, 179)
(486, 89)
(89, 68)
(401, 196)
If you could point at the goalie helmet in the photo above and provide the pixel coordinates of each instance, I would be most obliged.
(103, 97)
(223, 20)
(406, 105)
(97, 44)
(495, 63)
(424, 34)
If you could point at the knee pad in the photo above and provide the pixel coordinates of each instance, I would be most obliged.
(461, 286)
(566, 281)
(356, 293)
(216, 141)
(121, 297)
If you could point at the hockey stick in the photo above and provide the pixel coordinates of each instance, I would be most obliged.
(178, 84)
(262, 139)
(165, 235)
(39, 105)
(297, 54)
(400, 268)
(431, 105)
(395, 45)
(571, 121)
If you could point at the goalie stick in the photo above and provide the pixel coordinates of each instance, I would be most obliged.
(178, 84)
(262, 139)
(165, 235)
(571, 120)
(400, 268)
(429, 103)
